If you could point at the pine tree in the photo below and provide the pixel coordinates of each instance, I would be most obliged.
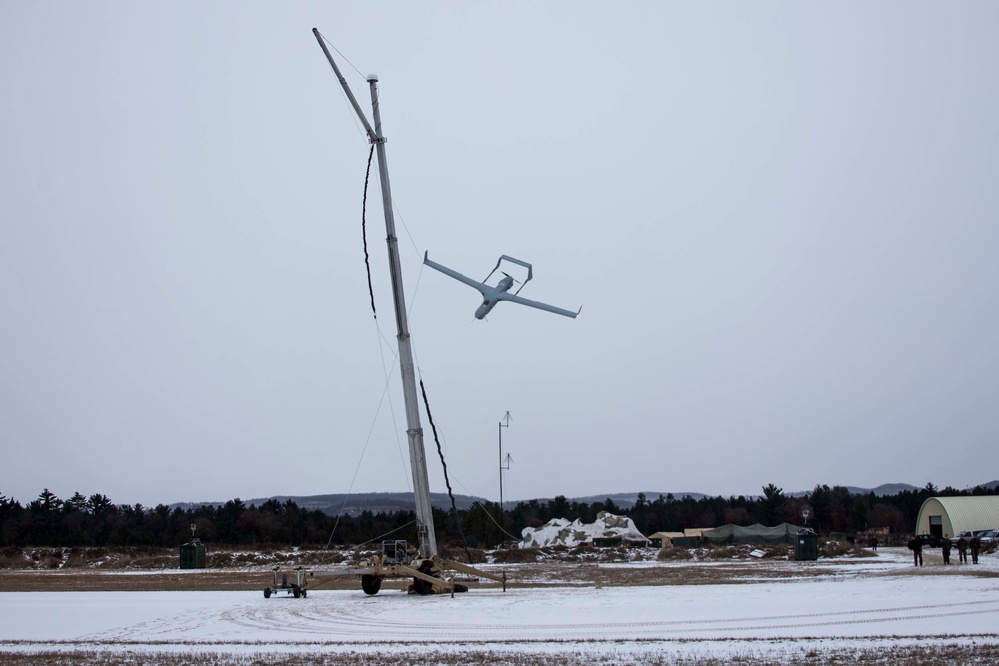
(772, 505)
(76, 503)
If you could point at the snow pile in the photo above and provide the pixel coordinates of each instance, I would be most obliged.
(560, 532)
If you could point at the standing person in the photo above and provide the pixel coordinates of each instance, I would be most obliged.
(976, 545)
(945, 546)
(916, 546)
(962, 550)
(874, 543)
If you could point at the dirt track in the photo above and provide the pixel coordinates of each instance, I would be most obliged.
(150, 569)
(521, 575)
(602, 569)
(552, 573)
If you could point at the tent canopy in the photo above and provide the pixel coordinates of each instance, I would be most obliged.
(759, 534)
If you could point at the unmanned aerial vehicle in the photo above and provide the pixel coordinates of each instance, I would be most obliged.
(491, 295)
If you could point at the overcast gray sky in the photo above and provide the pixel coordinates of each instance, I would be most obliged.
(780, 220)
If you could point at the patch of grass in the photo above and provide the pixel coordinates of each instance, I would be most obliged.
(956, 652)
(674, 554)
(458, 554)
(517, 555)
(843, 548)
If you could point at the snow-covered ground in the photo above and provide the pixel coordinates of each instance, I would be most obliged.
(884, 599)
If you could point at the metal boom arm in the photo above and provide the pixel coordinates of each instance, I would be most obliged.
(417, 452)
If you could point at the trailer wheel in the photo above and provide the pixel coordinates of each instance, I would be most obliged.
(297, 591)
(267, 593)
(371, 583)
(421, 586)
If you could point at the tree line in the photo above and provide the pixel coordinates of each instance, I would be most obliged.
(97, 521)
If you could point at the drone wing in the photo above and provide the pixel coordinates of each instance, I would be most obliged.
(507, 296)
(483, 288)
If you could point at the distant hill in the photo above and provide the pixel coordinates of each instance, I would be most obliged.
(879, 491)
(627, 500)
(888, 489)
(893, 489)
(354, 505)
(623, 500)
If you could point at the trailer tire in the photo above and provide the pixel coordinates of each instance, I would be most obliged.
(371, 583)
(296, 590)
(421, 586)
(267, 593)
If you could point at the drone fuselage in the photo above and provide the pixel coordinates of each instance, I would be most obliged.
(489, 300)
(501, 292)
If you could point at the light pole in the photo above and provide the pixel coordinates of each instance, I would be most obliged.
(503, 464)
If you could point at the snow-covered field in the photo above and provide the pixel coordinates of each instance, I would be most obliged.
(851, 604)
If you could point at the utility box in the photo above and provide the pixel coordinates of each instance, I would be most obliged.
(192, 555)
(806, 546)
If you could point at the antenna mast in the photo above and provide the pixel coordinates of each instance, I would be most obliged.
(503, 464)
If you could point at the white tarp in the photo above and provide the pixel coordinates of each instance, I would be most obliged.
(560, 532)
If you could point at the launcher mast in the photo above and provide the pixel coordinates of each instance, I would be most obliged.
(414, 431)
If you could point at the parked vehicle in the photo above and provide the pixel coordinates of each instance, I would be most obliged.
(929, 540)
(967, 534)
(986, 537)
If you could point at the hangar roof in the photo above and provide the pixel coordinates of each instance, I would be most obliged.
(969, 513)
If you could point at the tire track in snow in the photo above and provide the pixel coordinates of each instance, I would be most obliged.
(336, 621)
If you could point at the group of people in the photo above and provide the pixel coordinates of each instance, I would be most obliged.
(963, 546)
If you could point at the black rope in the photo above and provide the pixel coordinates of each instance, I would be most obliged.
(447, 482)
(364, 234)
